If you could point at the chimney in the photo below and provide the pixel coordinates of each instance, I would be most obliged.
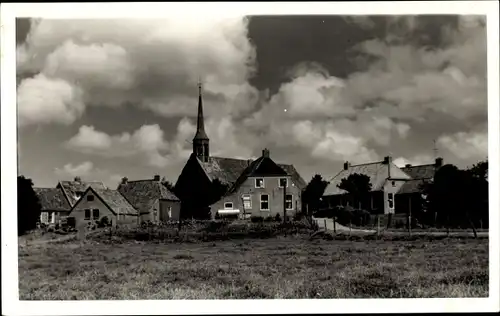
(249, 162)
(439, 162)
(157, 177)
(408, 165)
(124, 180)
(346, 165)
(387, 160)
(78, 179)
(265, 153)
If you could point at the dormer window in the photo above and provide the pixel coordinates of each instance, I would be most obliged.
(228, 205)
(259, 182)
(283, 182)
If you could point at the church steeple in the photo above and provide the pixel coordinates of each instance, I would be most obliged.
(200, 140)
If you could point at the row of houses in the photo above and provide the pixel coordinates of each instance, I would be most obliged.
(259, 187)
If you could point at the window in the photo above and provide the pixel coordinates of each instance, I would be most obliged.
(169, 212)
(90, 197)
(247, 201)
(391, 200)
(283, 182)
(289, 202)
(44, 217)
(87, 214)
(264, 202)
(259, 183)
(95, 213)
(228, 205)
(393, 183)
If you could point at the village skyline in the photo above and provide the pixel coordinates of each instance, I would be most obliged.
(130, 110)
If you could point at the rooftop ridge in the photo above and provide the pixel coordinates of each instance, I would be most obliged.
(240, 159)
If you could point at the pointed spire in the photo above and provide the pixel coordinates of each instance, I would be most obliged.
(200, 128)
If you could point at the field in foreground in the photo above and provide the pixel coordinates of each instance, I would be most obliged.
(272, 268)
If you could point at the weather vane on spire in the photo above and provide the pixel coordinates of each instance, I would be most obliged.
(199, 84)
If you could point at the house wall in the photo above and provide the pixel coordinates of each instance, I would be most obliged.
(78, 212)
(391, 186)
(271, 187)
(48, 219)
(173, 206)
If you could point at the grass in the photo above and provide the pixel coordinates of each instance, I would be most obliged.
(292, 267)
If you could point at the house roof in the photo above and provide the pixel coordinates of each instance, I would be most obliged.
(70, 188)
(378, 172)
(263, 166)
(229, 170)
(52, 199)
(142, 194)
(115, 201)
(419, 175)
(420, 172)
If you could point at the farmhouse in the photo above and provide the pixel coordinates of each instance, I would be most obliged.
(151, 198)
(246, 185)
(53, 203)
(386, 180)
(408, 198)
(73, 190)
(97, 203)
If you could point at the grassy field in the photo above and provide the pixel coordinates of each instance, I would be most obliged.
(272, 268)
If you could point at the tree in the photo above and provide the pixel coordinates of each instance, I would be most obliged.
(358, 187)
(28, 206)
(313, 193)
(455, 194)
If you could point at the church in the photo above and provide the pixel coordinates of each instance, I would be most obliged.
(211, 187)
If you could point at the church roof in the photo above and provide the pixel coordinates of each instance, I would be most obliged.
(378, 172)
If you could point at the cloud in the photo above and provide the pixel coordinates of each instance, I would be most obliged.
(81, 170)
(88, 172)
(147, 141)
(48, 100)
(153, 64)
(467, 146)
(422, 159)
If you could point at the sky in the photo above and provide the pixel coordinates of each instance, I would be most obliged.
(105, 99)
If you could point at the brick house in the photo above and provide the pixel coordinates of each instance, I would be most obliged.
(95, 204)
(409, 197)
(238, 175)
(386, 180)
(73, 190)
(263, 189)
(151, 198)
(54, 205)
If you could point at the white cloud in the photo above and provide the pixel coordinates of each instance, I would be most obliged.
(415, 161)
(466, 145)
(48, 100)
(71, 170)
(151, 63)
(147, 141)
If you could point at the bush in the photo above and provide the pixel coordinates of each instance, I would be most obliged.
(71, 222)
(277, 218)
(256, 219)
(103, 222)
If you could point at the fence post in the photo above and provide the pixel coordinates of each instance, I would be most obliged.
(378, 225)
(326, 227)
(335, 225)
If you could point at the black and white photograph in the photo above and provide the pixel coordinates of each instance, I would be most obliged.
(195, 151)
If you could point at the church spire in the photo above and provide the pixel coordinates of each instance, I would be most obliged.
(200, 140)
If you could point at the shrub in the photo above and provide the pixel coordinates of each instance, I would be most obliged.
(277, 218)
(256, 219)
(103, 222)
(71, 222)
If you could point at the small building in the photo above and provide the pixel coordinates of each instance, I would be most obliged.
(54, 205)
(386, 180)
(409, 197)
(73, 190)
(195, 184)
(154, 201)
(95, 204)
(263, 189)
